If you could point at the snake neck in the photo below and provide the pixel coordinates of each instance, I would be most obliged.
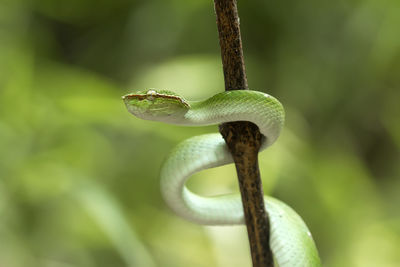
(261, 109)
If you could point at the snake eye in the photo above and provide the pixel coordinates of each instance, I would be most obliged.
(150, 94)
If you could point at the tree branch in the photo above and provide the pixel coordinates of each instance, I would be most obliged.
(243, 138)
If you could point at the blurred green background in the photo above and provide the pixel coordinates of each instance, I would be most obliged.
(79, 179)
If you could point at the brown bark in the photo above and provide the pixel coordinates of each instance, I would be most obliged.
(243, 138)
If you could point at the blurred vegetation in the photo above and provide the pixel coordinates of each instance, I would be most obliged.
(79, 175)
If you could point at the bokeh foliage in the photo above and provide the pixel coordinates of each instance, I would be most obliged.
(79, 175)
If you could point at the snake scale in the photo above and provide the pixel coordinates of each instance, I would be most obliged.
(291, 242)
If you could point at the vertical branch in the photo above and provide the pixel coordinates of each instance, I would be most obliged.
(231, 45)
(243, 138)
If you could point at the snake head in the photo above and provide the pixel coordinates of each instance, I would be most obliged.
(156, 105)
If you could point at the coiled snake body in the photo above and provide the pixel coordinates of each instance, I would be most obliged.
(290, 240)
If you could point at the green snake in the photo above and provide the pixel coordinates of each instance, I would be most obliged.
(290, 240)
